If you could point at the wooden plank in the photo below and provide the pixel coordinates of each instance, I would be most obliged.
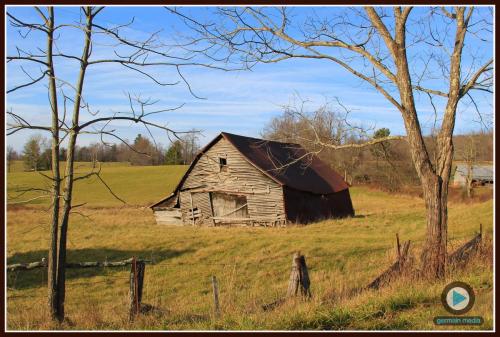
(168, 217)
(234, 210)
(192, 209)
(43, 263)
(195, 215)
(247, 219)
(27, 266)
(215, 189)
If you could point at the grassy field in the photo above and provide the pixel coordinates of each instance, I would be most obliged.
(251, 264)
(137, 185)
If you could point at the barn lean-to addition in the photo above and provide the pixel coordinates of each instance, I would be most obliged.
(250, 181)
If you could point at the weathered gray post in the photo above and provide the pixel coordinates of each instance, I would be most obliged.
(215, 287)
(299, 277)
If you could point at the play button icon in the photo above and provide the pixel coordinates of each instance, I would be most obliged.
(457, 298)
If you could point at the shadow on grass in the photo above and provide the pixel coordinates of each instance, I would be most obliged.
(24, 279)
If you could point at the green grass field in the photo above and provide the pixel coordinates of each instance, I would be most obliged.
(137, 185)
(251, 264)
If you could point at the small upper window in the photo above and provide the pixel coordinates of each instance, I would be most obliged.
(223, 164)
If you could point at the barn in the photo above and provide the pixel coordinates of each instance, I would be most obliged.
(481, 174)
(250, 181)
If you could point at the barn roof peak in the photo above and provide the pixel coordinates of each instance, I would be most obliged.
(288, 164)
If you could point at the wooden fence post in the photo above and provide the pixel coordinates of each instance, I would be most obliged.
(299, 277)
(216, 297)
(398, 246)
(136, 282)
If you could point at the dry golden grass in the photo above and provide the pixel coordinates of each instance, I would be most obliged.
(252, 266)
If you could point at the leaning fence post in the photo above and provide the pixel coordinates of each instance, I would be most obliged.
(299, 277)
(136, 282)
(215, 288)
(398, 245)
(481, 237)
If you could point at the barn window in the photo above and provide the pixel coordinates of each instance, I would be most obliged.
(223, 164)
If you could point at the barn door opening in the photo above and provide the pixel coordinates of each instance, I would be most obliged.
(229, 205)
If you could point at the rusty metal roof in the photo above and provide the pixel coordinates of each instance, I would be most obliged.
(288, 164)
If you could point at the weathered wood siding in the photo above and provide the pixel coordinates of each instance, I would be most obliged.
(264, 196)
(171, 216)
(201, 201)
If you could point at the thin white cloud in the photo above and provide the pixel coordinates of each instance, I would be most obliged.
(241, 101)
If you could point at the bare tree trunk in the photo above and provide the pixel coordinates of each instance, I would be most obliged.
(434, 178)
(56, 183)
(469, 181)
(69, 173)
(434, 251)
(437, 226)
(470, 156)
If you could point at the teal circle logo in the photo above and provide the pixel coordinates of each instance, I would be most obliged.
(458, 298)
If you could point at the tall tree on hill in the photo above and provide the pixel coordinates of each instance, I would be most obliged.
(101, 44)
(382, 149)
(33, 153)
(174, 154)
(401, 52)
(144, 151)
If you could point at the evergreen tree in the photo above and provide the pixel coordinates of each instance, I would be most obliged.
(174, 154)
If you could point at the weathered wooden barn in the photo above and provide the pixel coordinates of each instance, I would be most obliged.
(481, 174)
(249, 181)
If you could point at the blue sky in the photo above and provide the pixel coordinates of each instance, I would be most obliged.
(240, 102)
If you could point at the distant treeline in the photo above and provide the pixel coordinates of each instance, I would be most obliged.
(387, 164)
(36, 153)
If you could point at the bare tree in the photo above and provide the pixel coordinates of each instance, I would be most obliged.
(66, 109)
(326, 124)
(468, 153)
(11, 156)
(399, 54)
(189, 147)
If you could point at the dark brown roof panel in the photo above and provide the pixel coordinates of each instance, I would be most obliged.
(289, 164)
